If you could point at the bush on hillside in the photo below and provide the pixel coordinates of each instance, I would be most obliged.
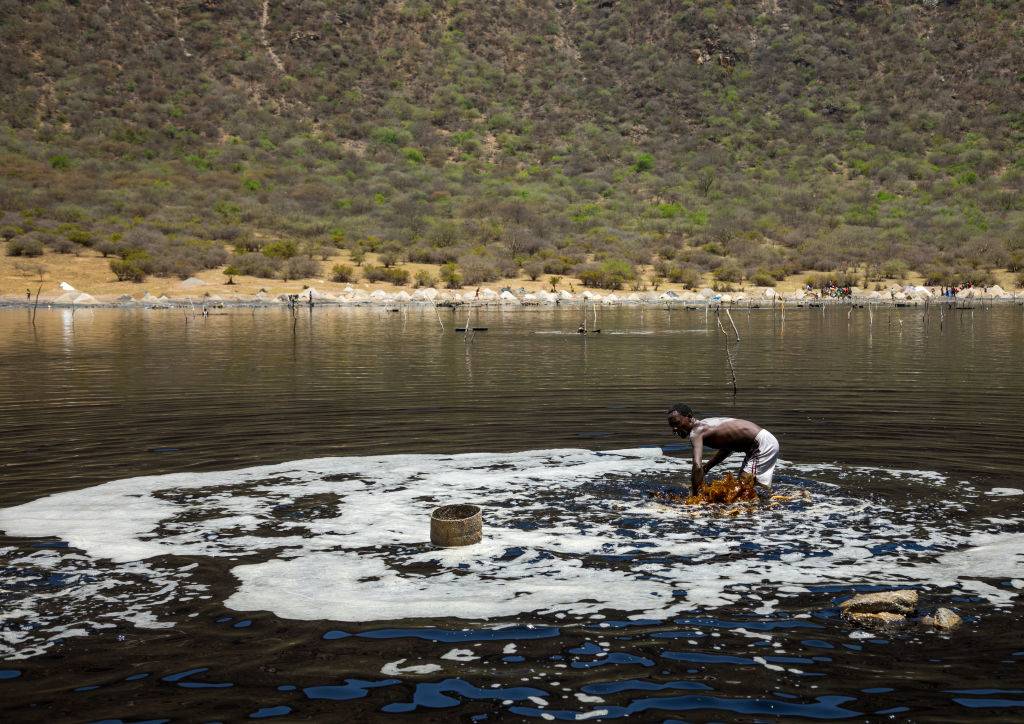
(450, 276)
(477, 269)
(424, 278)
(391, 275)
(762, 278)
(342, 273)
(25, 245)
(300, 267)
(252, 264)
(533, 269)
(609, 274)
(838, 279)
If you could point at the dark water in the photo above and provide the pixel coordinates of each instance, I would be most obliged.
(851, 394)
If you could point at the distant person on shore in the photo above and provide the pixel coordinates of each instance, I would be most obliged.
(727, 435)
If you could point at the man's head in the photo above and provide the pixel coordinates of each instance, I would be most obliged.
(681, 419)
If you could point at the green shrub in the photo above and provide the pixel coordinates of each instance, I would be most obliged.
(895, 269)
(62, 245)
(1015, 262)
(128, 270)
(300, 267)
(533, 269)
(26, 245)
(609, 274)
(390, 136)
(978, 277)
(477, 269)
(390, 256)
(413, 154)
(643, 162)
(730, 271)
(762, 278)
(558, 265)
(688, 276)
(108, 247)
(554, 281)
(245, 242)
(282, 249)
(938, 275)
(252, 264)
(391, 275)
(839, 279)
(1020, 280)
(78, 235)
(9, 232)
(60, 162)
(342, 273)
(450, 275)
(424, 278)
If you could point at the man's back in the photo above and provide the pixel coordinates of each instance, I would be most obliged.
(727, 433)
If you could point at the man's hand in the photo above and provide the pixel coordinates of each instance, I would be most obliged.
(697, 476)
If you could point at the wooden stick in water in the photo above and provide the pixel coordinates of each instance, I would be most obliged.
(729, 314)
(438, 314)
(728, 351)
(35, 305)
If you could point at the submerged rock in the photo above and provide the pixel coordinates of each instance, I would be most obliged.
(943, 619)
(900, 602)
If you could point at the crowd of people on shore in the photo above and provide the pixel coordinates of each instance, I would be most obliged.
(954, 290)
(831, 290)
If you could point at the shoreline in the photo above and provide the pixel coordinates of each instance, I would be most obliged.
(507, 299)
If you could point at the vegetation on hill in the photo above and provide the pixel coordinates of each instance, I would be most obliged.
(750, 139)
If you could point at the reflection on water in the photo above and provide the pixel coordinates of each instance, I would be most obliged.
(269, 593)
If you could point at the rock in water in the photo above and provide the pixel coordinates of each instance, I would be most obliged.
(902, 602)
(943, 618)
(882, 617)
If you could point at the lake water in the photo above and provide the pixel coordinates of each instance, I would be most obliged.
(265, 553)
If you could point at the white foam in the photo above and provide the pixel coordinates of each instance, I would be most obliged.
(566, 532)
(1005, 492)
(395, 668)
(460, 655)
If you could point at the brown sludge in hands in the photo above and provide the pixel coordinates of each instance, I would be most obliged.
(726, 490)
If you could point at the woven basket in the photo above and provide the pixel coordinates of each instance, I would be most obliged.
(456, 525)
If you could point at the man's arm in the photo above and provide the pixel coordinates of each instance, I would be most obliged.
(697, 471)
(719, 456)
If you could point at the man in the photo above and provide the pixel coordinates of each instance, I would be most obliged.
(727, 435)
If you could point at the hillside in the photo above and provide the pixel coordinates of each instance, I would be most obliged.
(750, 140)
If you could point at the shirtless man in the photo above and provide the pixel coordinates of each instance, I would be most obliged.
(727, 435)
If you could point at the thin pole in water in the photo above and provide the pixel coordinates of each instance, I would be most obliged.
(728, 350)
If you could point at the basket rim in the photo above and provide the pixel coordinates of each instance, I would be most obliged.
(471, 512)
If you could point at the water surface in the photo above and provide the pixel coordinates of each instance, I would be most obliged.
(306, 586)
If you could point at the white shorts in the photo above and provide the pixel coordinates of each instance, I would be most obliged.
(761, 460)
